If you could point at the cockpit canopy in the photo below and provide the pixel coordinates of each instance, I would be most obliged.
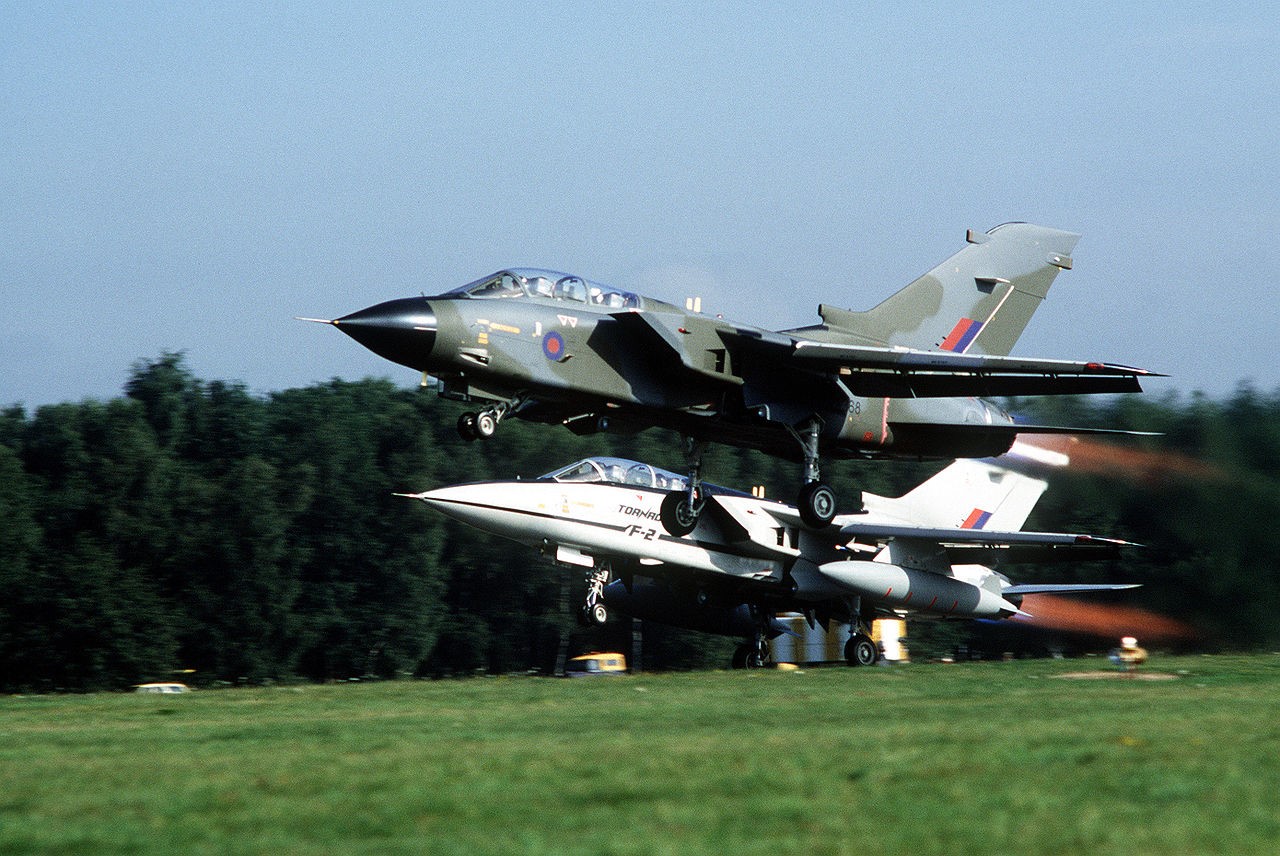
(618, 471)
(533, 282)
(607, 470)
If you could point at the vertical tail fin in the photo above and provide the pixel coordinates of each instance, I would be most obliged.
(978, 301)
(968, 494)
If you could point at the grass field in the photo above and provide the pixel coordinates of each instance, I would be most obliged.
(920, 759)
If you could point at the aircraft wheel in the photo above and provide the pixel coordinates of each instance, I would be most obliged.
(677, 517)
(861, 651)
(740, 655)
(593, 614)
(817, 504)
(467, 426)
(486, 424)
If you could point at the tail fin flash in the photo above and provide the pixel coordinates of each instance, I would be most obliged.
(978, 301)
(968, 494)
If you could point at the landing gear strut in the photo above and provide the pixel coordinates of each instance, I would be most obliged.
(682, 508)
(755, 653)
(817, 501)
(860, 649)
(593, 612)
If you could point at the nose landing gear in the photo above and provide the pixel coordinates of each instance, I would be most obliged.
(593, 611)
(483, 424)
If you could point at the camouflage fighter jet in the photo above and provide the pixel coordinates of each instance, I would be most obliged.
(899, 380)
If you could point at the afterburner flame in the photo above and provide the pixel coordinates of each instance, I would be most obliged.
(1094, 456)
(1080, 616)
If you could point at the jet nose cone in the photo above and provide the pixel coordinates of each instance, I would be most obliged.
(403, 331)
(439, 498)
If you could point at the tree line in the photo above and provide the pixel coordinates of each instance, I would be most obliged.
(192, 526)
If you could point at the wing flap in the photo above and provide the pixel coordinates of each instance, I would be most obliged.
(906, 372)
(911, 373)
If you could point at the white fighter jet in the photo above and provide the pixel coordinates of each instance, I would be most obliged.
(932, 551)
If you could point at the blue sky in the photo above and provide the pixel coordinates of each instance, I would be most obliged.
(192, 176)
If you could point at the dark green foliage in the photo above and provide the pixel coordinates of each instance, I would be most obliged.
(193, 525)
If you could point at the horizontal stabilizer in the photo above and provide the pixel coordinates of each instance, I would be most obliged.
(874, 531)
(1067, 588)
(1069, 429)
(976, 439)
(1034, 554)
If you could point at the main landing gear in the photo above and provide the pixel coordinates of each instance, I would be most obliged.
(860, 649)
(816, 502)
(754, 653)
(681, 508)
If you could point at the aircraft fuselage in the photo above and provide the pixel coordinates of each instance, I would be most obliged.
(591, 369)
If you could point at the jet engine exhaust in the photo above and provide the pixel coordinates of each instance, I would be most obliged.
(1060, 613)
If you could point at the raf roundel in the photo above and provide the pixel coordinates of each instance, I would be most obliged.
(553, 346)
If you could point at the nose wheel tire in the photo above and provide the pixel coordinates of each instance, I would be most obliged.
(486, 424)
(593, 615)
(478, 426)
(467, 427)
(817, 504)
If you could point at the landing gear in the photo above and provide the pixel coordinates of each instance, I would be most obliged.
(467, 427)
(595, 615)
(679, 515)
(486, 423)
(754, 653)
(483, 424)
(817, 501)
(593, 612)
(860, 649)
(682, 508)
